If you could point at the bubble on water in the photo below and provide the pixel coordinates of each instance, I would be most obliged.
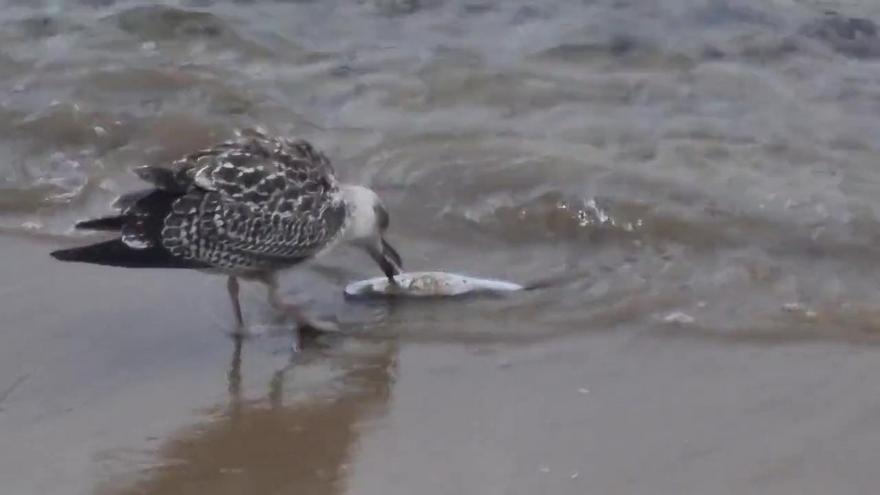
(583, 218)
(593, 214)
(679, 318)
(797, 307)
(793, 307)
(601, 215)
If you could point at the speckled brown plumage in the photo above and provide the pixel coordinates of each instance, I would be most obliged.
(256, 203)
(247, 207)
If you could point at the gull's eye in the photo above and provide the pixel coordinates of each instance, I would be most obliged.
(382, 218)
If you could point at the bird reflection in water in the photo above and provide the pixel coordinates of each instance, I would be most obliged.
(277, 444)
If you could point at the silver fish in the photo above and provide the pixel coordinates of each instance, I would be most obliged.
(428, 284)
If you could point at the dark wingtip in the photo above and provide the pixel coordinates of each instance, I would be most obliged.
(63, 254)
(108, 223)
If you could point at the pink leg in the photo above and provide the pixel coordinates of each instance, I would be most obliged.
(302, 320)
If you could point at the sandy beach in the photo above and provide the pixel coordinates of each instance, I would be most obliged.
(105, 394)
(702, 174)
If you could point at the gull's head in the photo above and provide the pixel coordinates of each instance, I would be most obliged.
(368, 221)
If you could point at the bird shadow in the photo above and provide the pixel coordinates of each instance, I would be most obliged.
(298, 434)
(310, 344)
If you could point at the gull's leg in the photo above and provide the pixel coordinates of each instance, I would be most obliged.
(232, 286)
(303, 321)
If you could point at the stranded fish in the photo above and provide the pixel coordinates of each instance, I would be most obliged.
(429, 284)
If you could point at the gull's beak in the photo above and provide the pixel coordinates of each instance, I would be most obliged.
(387, 258)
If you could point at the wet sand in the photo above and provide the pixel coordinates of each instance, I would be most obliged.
(124, 384)
(705, 172)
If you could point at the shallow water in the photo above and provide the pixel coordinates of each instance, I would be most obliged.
(706, 169)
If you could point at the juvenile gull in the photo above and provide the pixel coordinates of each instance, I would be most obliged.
(246, 208)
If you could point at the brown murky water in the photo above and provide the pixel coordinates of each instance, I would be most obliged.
(706, 169)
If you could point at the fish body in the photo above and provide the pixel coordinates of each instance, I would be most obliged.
(428, 284)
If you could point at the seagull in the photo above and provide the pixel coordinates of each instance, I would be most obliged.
(247, 208)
